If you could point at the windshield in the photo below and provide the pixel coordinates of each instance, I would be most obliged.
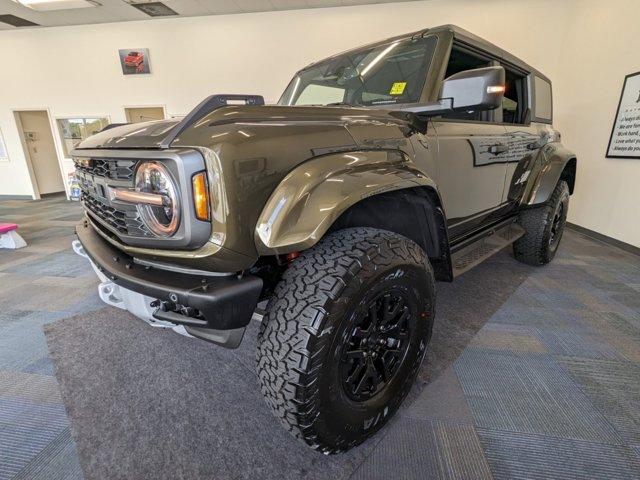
(390, 73)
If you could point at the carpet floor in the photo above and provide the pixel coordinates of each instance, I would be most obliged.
(531, 373)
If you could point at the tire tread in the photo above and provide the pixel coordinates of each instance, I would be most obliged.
(292, 342)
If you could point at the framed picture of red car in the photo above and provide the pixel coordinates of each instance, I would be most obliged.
(134, 61)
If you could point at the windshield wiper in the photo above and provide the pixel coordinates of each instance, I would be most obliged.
(340, 104)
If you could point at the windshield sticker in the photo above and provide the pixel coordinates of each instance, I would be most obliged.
(398, 88)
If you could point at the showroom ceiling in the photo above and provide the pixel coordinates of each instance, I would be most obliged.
(14, 13)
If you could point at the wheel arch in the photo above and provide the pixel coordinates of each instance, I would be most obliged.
(355, 189)
(569, 173)
(556, 163)
(415, 213)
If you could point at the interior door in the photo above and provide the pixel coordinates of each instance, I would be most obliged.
(40, 147)
(470, 172)
(143, 114)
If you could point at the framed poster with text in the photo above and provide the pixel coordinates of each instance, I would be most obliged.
(625, 134)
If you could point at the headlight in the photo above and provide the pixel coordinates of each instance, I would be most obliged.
(154, 178)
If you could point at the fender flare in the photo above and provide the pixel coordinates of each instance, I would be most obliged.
(545, 175)
(314, 195)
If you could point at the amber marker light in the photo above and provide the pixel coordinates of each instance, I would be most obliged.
(496, 89)
(201, 196)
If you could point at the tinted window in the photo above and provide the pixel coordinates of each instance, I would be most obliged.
(514, 102)
(542, 97)
(390, 73)
(459, 61)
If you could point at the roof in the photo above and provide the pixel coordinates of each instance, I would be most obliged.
(468, 37)
(459, 34)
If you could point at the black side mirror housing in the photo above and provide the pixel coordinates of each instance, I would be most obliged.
(478, 89)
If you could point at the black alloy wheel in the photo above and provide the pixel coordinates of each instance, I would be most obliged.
(377, 344)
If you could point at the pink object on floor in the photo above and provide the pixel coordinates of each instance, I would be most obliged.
(9, 237)
(7, 227)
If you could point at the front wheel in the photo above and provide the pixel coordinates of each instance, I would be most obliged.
(344, 335)
(544, 226)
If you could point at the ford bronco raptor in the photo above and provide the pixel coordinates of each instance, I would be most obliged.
(379, 171)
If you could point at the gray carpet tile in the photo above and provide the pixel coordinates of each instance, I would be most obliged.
(57, 461)
(29, 387)
(25, 430)
(442, 400)
(11, 257)
(61, 264)
(562, 343)
(427, 449)
(614, 388)
(528, 392)
(520, 456)
(495, 336)
(34, 430)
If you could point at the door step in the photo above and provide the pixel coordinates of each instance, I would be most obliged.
(471, 255)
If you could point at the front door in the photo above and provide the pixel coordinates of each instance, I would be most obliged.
(470, 171)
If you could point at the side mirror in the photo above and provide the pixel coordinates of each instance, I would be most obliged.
(478, 89)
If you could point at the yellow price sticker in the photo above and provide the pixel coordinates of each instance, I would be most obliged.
(398, 88)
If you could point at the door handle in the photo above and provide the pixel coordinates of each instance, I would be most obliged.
(498, 149)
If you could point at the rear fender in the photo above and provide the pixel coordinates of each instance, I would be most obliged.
(552, 161)
(314, 195)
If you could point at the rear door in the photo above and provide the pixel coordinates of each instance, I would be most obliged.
(525, 137)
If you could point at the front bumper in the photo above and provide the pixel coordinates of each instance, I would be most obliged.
(225, 304)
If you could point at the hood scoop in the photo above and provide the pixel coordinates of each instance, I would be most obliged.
(207, 106)
(162, 133)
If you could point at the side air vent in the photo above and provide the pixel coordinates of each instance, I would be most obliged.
(17, 21)
(155, 9)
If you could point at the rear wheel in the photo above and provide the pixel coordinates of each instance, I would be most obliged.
(344, 335)
(544, 226)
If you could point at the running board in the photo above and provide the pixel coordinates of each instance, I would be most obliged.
(471, 255)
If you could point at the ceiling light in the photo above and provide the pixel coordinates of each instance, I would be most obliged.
(154, 9)
(49, 5)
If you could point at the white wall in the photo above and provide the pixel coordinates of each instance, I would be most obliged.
(601, 46)
(74, 71)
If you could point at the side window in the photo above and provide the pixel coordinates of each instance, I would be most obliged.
(514, 102)
(543, 109)
(320, 95)
(459, 61)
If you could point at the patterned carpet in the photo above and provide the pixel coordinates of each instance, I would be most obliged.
(533, 373)
(41, 283)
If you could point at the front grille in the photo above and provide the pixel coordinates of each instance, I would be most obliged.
(115, 169)
(125, 222)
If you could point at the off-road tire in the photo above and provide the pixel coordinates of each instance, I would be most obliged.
(544, 226)
(308, 321)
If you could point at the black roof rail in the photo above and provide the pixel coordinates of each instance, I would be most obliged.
(205, 107)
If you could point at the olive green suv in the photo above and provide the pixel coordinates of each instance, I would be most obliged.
(330, 215)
